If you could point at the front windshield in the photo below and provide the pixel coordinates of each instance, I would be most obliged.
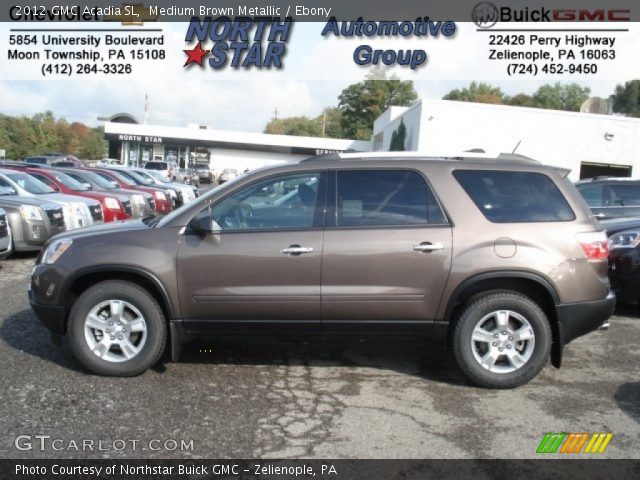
(140, 178)
(30, 184)
(70, 183)
(93, 179)
(157, 176)
(121, 178)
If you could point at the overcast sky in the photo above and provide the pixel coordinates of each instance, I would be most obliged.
(316, 70)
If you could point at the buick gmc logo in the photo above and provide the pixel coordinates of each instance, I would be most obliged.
(486, 15)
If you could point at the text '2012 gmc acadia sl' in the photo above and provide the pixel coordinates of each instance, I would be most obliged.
(500, 257)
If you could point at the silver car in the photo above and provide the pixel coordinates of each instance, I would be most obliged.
(5, 235)
(31, 221)
(78, 211)
(186, 193)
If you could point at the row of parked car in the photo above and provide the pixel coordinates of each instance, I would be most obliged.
(39, 201)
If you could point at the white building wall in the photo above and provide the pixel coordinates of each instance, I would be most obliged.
(242, 159)
(564, 139)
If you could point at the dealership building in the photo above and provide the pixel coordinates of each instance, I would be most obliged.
(587, 144)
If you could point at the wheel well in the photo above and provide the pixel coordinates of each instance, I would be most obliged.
(529, 287)
(83, 282)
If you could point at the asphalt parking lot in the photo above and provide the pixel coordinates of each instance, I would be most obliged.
(274, 398)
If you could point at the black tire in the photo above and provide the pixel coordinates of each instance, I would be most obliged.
(156, 333)
(484, 304)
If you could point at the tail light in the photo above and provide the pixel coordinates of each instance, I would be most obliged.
(595, 245)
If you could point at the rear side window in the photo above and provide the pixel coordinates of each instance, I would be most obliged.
(385, 197)
(512, 197)
(624, 194)
(592, 194)
(156, 166)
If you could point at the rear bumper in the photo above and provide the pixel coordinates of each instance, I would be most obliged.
(578, 319)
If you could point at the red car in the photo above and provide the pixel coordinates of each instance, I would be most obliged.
(112, 208)
(162, 200)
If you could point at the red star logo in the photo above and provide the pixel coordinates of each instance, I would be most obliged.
(195, 55)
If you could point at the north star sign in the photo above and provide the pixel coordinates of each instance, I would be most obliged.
(139, 138)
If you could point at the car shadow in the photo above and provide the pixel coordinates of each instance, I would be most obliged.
(407, 355)
(627, 310)
(627, 397)
(24, 332)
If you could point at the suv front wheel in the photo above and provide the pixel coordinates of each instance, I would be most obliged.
(117, 328)
(502, 339)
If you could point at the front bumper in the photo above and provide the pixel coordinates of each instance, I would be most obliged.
(46, 296)
(52, 316)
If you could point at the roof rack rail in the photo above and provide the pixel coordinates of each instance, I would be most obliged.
(322, 156)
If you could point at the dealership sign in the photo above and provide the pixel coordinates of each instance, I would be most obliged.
(139, 138)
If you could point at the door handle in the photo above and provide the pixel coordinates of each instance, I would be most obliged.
(296, 250)
(428, 247)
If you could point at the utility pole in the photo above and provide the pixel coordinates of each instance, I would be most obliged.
(275, 114)
(324, 123)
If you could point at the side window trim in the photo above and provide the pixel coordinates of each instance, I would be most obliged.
(332, 196)
(319, 219)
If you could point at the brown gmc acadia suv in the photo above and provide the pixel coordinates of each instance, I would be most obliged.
(499, 257)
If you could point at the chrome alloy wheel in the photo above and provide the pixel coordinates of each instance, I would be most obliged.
(502, 341)
(115, 331)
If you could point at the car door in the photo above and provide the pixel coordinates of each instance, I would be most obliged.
(263, 267)
(387, 251)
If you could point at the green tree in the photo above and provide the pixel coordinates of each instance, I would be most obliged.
(561, 97)
(478, 93)
(361, 103)
(520, 100)
(626, 99)
(301, 126)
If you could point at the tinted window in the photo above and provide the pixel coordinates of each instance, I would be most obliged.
(510, 197)
(385, 197)
(592, 194)
(623, 195)
(284, 202)
(157, 166)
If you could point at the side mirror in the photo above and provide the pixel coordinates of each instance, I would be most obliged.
(7, 191)
(87, 186)
(115, 184)
(203, 224)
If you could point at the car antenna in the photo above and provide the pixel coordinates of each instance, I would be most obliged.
(517, 145)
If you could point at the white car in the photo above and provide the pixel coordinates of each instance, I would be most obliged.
(78, 211)
(168, 170)
(5, 235)
(186, 193)
(227, 175)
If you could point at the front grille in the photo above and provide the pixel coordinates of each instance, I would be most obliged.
(126, 204)
(56, 218)
(4, 229)
(96, 212)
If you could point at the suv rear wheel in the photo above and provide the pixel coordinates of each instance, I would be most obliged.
(502, 339)
(117, 328)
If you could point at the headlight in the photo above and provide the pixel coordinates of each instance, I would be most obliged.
(628, 239)
(139, 199)
(172, 193)
(55, 250)
(30, 212)
(112, 203)
(160, 196)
